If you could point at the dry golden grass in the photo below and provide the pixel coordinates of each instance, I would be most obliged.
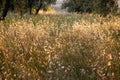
(60, 47)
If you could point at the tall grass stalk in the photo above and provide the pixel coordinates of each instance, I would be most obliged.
(60, 47)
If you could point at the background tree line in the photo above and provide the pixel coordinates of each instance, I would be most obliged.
(23, 6)
(91, 6)
(82, 6)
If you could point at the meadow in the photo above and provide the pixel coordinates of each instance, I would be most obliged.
(60, 47)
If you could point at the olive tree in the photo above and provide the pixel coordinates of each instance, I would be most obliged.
(23, 6)
(96, 6)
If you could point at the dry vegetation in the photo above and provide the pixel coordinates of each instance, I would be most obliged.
(60, 47)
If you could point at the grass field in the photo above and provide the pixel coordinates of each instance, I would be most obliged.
(60, 47)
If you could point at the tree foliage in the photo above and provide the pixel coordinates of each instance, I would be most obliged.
(23, 6)
(98, 6)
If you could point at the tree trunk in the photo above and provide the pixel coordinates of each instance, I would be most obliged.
(5, 10)
(39, 6)
(30, 5)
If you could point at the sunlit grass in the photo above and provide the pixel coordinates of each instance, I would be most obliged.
(60, 47)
